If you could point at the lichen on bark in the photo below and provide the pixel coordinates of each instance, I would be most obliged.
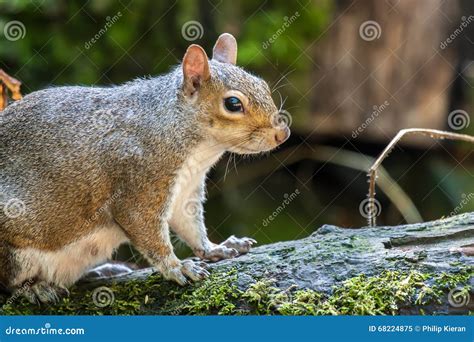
(407, 269)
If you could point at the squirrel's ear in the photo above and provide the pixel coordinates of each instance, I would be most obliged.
(195, 69)
(225, 50)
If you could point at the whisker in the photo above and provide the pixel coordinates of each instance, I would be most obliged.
(287, 109)
(227, 166)
(281, 78)
(231, 138)
(280, 86)
(281, 100)
(235, 164)
(240, 143)
(284, 101)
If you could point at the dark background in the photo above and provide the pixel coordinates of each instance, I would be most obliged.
(332, 76)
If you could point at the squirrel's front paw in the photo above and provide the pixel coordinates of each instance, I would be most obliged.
(182, 270)
(228, 249)
(216, 253)
(242, 245)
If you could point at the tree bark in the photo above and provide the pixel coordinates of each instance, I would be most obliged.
(332, 255)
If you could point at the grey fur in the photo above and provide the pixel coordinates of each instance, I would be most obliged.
(66, 151)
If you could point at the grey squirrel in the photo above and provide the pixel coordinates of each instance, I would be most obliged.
(85, 169)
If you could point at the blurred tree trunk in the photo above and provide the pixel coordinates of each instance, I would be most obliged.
(385, 61)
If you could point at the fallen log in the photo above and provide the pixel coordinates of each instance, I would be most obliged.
(422, 268)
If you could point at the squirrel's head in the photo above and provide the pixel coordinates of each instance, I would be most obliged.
(235, 107)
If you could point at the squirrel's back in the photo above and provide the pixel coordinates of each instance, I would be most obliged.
(77, 142)
(52, 122)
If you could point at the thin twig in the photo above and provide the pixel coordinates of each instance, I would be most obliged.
(432, 133)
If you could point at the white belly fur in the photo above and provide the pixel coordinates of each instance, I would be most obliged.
(65, 266)
(193, 172)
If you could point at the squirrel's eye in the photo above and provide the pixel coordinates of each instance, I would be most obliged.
(233, 104)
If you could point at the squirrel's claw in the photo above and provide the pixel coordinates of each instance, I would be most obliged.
(194, 271)
(242, 245)
(186, 269)
(198, 261)
(217, 252)
(43, 292)
(228, 249)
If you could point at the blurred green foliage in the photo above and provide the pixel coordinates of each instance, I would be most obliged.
(147, 37)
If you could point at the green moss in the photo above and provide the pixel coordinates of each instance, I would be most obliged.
(448, 281)
(264, 297)
(304, 302)
(215, 295)
(361, 295)
(128, 298)
(378, 295)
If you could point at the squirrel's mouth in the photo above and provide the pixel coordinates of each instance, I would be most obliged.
(248, 150)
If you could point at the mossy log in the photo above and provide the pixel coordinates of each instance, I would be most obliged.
(421, 268)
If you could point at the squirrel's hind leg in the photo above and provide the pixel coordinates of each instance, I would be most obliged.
(7, 265)
(43, 276)
(41, 292)
(35, 291)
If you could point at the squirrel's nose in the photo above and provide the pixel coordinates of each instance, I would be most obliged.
(282, 134)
